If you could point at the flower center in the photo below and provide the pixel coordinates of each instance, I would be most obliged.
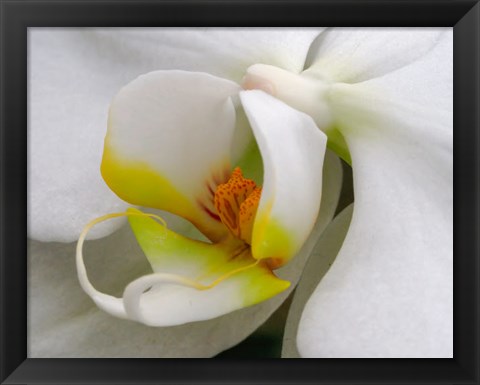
(307, 92)
(236, 202)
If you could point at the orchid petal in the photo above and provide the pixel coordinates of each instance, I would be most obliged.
(230, 50)
(67, 118)
(318, 263)
(389, 292)
(354, 55)
(293, 150)
(168, 144)
(81, 70)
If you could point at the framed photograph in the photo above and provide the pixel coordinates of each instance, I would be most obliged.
(289, 188)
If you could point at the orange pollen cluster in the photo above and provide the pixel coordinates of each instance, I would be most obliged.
(236, 202)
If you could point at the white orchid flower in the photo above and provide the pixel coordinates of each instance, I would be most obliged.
(383, 106)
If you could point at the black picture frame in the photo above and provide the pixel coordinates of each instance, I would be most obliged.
(18, 15)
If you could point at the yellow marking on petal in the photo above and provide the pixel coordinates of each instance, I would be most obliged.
(271, 240)
(262, 284)
(137, 183)
(236, 202)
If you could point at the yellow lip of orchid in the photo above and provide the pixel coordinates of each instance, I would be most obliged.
(158, 156)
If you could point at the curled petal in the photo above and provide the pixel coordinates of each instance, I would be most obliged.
(198, 281)
(168, 144)
(293, 150)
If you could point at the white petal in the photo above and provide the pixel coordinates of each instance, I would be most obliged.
(320, 260)
(293, 150)
(223, 52)
(389, 292)
(70, 86)
(168, 144)
(64, 322)
(74, 73)
(356, 54)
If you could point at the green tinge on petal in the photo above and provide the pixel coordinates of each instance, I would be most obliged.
(336, 143)
(229, 265)
(271, 240)
(251, 163)
(169, 252)
(259, 284)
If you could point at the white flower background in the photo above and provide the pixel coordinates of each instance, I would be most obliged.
(389, 291)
